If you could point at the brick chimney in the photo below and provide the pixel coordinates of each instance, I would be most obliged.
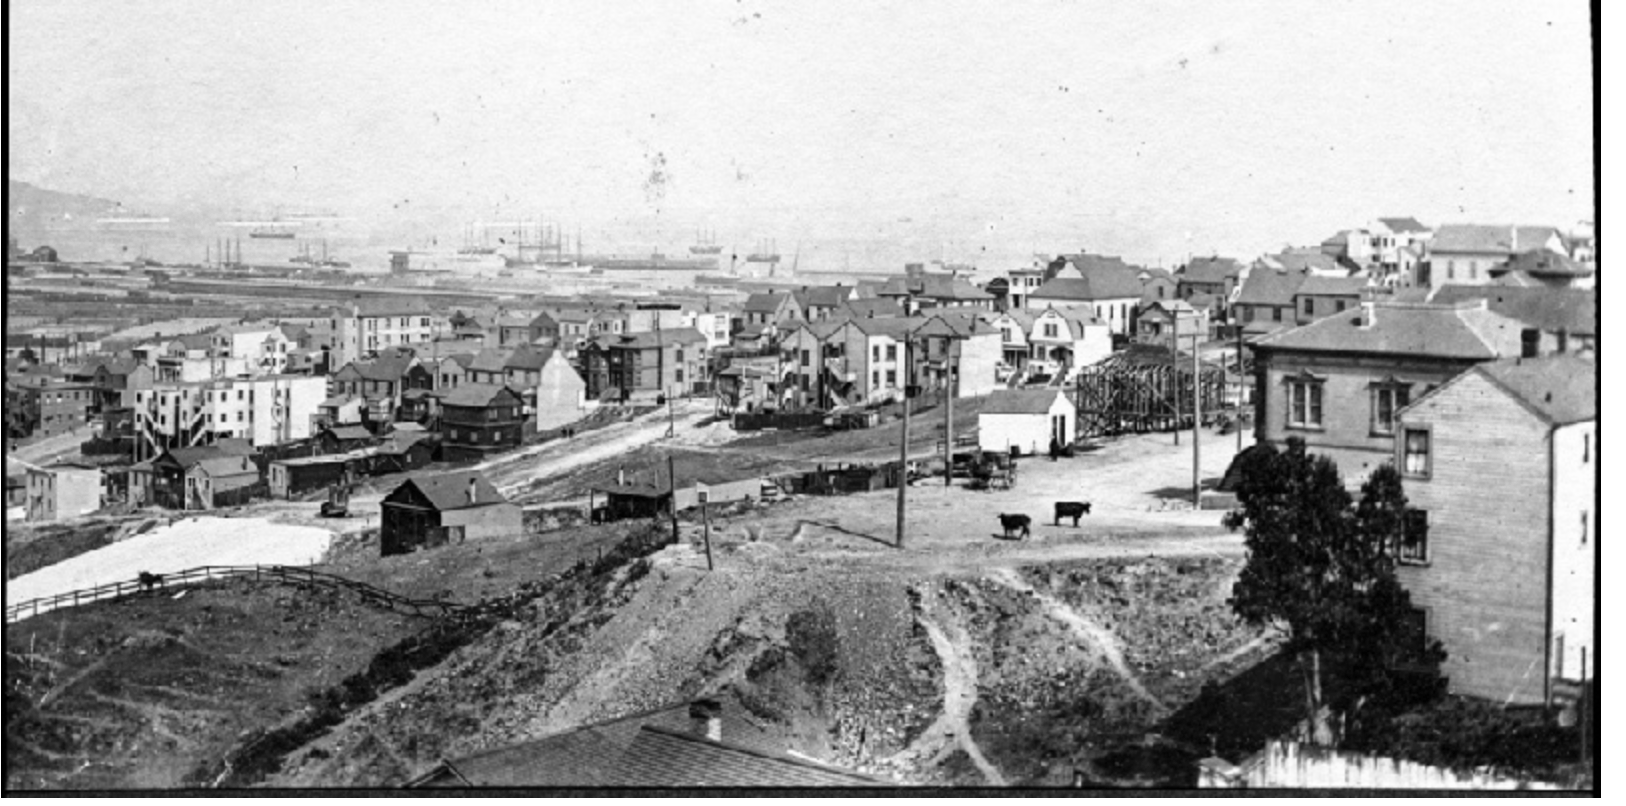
(706, 717)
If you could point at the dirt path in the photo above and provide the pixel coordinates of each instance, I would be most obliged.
(1087, 628)
(952, 729)
(514, 471)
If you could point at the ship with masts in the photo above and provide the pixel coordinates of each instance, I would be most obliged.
(706, 244)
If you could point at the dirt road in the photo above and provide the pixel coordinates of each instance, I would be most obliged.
(952, 728)
(516, 471)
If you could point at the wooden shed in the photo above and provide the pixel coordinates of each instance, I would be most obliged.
(1025, 420)
(450, 508)
(297, 475)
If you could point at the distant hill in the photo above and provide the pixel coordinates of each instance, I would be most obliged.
(29, 206)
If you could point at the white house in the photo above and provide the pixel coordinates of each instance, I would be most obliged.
(61, 491)
(1025, 420)
(1061, 340)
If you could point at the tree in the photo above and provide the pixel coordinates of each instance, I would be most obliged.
(1322, 568)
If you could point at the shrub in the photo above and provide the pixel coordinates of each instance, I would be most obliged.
(815, 643)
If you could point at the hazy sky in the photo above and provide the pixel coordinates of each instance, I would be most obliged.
(1149, 129)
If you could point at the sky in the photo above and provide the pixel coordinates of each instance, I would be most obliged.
(1150, 129)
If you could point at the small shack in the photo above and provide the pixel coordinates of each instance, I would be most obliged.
(224, 481)
(404, 450)
(344, 439)
(450, 508)
(1025, 420)
(651, 497)
(302, 474)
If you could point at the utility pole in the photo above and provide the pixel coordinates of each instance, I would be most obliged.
(903, 449)
(1174, 365)
(1196, 424)
(705, 517)
(671, 487)
(948, 431)
(1241, 388)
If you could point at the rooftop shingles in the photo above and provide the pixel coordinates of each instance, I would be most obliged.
(451, 490)
(1562, 389)
(1401, 329)
(1020, 401)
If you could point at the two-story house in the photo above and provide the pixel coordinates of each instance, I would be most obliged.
(1267, 300)
(1014, 325)
(1466, 253)
(655, 363)
(1159, 322)
(478, 420)
(262, 345)
(1322, 296)
(822, 302)
(1564, 319)
(1500, 552)
(1338, 381)
(1109, 294)
(1061, 340)
(1397, 245)
(1214, 276)
(815, 370)
(380, 382)
(768, 309)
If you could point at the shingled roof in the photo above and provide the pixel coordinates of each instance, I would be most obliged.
(1573, 310)
(1267, 286)
(451, 490)
(1403, 225)
(1561, 389)
(1455, 332)
(1210, 270)
(474, 394)
(1098, 285)
(1489, 239)
(653, 748)
(1317, 285)
(1542, 263)
(1020, 401)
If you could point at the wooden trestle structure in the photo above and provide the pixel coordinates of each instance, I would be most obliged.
(1133, 391)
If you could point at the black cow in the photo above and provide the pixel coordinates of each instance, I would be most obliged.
(1011, 523)
(1071, 509)
(150, 581)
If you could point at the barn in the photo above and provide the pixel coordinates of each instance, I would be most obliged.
(1024, 420)
(449, 508)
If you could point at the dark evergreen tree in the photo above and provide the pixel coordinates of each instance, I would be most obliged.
(1322, 569)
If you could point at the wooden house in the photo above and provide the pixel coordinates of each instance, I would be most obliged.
(479, 419)
(654, 493)
(344, 439)
(61, 491)
(435, 510)
(1500, 551)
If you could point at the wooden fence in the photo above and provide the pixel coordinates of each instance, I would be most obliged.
(757, 422)
(1289, 764)
(293, 575)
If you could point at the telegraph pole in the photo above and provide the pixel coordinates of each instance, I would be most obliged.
(671, 487)
(1196, 424)
(705, 517)
(1174, 364)
(1241, 388)
(903, 449)
(948, 433)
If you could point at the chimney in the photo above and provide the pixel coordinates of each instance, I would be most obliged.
(621, 476)
(473, 496)
(706, 716)
(1515, 239)
(1368, 313)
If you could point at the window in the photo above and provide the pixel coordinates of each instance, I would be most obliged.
(892, 352)
(424, 322)
(875, 353)
(1414, 537)
(806, 358)
(891, 377)
(1304, 403)
(1050, 330)
(239, 394)
(1415, 452)
(703, 496)
(1586, 445)
(875, 379)
(1338, 306)
(678, 375)
(1450, 270)
(1473, 271)
(239, 416)
(1276, 313)
(1005, 334)
(1387, 399)
(1309, 306)
(1247, 313)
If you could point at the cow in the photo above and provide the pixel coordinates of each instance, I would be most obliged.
(150, 581)
(1071, 509)
(1011, 523)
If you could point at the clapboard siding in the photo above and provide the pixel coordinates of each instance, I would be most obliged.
(1485, 586)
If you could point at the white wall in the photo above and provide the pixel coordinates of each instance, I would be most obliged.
(1575, 547)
